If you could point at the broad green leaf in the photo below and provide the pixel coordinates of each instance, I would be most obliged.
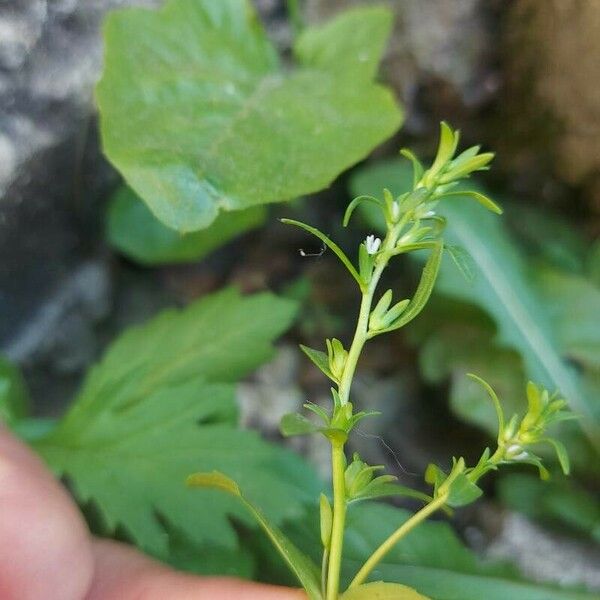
(502, 288)
(382, 591)
(199, 115)
(14, 397)
(209, 559)
(302, 566)
(573, 303)
(462, 260)
(221, 337)
(133, 230)
(553, 239)
(431, 559)
(159, 406)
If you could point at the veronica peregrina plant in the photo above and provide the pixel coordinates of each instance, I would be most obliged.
(412, 224)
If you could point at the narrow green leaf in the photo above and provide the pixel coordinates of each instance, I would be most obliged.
(294, 424)
(330, 244)
(446, 148)
(319, 359)
(326, 514)
(495, 400)
(356, 203)
(561, 454)
(476, 163)
(300, 564)
(424, 289)
(479, 197)
(395, 312)
(382, 591)
(376, 317)
(365, 264)
(388, 489)
(418, 168)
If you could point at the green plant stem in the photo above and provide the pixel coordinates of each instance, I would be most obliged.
(393, 539)
(338, 461)
(338, 467)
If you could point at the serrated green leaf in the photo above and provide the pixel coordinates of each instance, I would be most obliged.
(379, 590)
(304, 569)
(14, 397)
(133, 230)
(199, 115)
(320, 360)
(159, 406)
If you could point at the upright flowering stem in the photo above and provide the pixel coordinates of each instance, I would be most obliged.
(338, 460)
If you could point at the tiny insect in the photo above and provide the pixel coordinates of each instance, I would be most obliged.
(319, 253)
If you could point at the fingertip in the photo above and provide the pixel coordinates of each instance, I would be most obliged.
(45, 550)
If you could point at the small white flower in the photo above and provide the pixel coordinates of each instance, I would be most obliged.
(372, 243)
(395, 211)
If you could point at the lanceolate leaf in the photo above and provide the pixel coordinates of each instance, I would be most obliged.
(199, 116)
(319, 359)
(133, 230)
(302, 566)
(160, 406)
(502, 288)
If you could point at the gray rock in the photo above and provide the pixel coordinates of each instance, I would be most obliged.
(546, 556)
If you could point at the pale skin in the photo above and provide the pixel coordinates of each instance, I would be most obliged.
(46, 550)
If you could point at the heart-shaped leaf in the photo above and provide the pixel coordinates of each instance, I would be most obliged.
(199, 116)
